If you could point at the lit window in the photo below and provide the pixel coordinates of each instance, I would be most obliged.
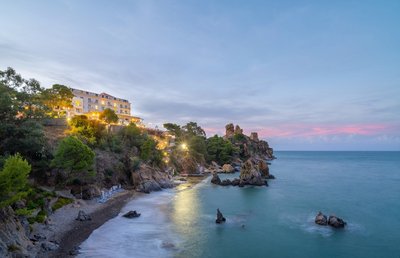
(96, 107)
(115, 104)
(102, 102)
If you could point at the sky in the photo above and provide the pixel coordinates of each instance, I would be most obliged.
(306, 75)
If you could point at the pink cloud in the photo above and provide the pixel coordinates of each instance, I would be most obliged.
(303, 130)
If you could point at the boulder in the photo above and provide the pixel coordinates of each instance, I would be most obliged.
(74, 251)
(82, 216)
(49, 246)
(131, 214)
(236, 182)
(250, 175)
(336, 222)
(148, 179)
(321, 219)
(227, 168)
(215, 179)
(220, 218)
(226, 182)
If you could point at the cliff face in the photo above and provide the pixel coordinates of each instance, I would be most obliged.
(148, 179)
(14, 241)
(249, 146)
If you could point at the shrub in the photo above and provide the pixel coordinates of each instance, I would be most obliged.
(23, 212)
(13, 180)
(73, 156)
(61, 202)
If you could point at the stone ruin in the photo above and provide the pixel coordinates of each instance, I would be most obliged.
(254, 136)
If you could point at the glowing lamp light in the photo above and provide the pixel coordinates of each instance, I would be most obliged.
(184, 146)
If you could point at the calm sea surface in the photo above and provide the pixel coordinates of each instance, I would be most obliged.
(363, 188)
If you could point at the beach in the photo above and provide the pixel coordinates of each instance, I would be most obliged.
(70, 233)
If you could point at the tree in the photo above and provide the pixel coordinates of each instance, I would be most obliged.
(149, 152)
(131, 135)
(26, 95)
(13, 179)
(109, 116)
(193, 129)
(198, 148)
(74, 156)
(173, 129)
(58, 98)
(89, 131)
(220, 150)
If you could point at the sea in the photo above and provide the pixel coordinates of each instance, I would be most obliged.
(363, 188)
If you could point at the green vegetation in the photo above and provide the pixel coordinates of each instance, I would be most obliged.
(57, 98)
(13, 180)
(108, 116)
(74, 157)
(61, 202)
(220, 150)
(149, 152)
(89, 131)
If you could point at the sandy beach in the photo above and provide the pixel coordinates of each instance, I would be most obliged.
(70, 233)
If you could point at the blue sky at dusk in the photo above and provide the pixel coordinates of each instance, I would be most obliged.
(307, 75)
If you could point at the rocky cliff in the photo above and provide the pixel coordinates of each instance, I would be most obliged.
(249, 146)
(14, 241)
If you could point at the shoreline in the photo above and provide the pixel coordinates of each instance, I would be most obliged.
(71, 233)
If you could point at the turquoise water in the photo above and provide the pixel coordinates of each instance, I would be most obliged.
(363, 188)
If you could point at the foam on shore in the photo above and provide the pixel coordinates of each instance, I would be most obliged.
(149, 235)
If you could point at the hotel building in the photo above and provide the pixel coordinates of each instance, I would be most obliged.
(91, 104)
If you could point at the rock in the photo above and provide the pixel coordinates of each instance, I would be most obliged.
(263, 168)
(131, 214)
(87, 192)
(75, 251)
(236, 182)
(321, 219)
(215, 179)
(227, 168)
(220, 218)
(270, 176)
(250, 175)
(148, 179)
(226, 182)
(254, 137)
(266, 183)
(336, 222)
(238, 130)
(82, 216)
(13, 238)
(38, 237)
(49, 246)
(229, 130)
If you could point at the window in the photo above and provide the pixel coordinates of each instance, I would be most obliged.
(120, 105)
(96, 107)
(89, 99)
(96, 101)
(102, 102)
(115, 104)
(126, 106)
